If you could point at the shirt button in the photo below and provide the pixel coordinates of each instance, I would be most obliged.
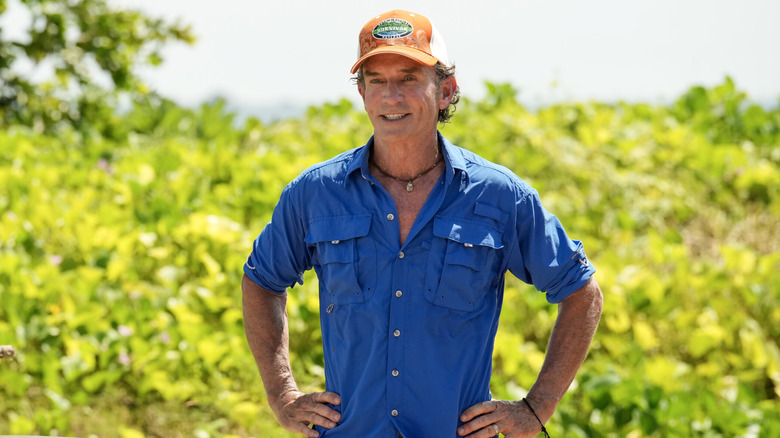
(398, 294)
(401, 255)
(396, 333)
(390, 217)
(394, 412)
(395, 373)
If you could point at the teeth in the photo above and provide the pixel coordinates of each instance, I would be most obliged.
(394, 116)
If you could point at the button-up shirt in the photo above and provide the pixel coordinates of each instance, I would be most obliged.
(408, 328)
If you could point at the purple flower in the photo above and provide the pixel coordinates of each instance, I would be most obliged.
(124, 359)
(105, 166)
(125, 330)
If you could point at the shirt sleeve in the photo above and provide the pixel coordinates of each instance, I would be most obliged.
(280, 256)
(544, 255)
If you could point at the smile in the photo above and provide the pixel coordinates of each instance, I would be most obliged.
(394, 116)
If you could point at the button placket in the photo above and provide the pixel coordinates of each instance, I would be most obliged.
(396, 343)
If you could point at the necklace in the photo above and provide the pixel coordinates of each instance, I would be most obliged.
(409, 181)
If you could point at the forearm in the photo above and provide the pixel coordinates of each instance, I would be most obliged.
(265, 323)
(575, 326)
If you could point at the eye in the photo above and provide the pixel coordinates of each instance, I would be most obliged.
(410, 78)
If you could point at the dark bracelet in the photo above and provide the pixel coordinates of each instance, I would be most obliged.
(537, 418)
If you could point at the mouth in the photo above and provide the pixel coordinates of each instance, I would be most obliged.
(394, 116)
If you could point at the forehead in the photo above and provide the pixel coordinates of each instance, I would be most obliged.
(391, 63)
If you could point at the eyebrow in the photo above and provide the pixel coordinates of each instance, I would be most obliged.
(403, 70)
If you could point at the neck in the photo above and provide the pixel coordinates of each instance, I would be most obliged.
(406, 158)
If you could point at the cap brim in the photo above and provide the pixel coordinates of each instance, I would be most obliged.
(409, 52)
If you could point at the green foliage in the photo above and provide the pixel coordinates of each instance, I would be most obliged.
(93, 51)
(120, 264)
(724, 116)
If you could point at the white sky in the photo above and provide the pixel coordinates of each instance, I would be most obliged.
(271, 53)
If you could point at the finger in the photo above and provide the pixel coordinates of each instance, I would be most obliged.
(310, 410)
(304, 430)
(316, 403)
(476, 410)
(485, 432)
(301, 420)
(478, 424)
(326, 412)
(327, 397)
(319, 420)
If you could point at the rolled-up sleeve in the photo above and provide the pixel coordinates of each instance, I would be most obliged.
(279, 256)
(543, 254)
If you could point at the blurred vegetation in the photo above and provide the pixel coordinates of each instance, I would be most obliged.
(123, 235)
(120, 264)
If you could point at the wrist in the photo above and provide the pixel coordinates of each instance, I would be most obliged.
(280, 395)
(541, 424)
(542, 405)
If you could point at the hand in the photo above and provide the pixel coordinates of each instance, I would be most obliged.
(513, 419)
(296, 411)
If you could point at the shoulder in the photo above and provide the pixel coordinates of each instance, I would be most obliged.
(482, 172)
(331, 171)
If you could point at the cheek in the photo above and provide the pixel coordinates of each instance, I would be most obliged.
(368, 100)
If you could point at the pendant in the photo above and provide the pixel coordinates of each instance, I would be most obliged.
(409, 186)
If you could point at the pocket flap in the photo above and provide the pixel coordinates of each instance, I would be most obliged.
(337, 228)
(468, 233)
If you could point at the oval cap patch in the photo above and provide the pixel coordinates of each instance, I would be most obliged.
(392, 28)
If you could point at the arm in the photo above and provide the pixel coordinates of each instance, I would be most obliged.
(265, 323)
(575, 326)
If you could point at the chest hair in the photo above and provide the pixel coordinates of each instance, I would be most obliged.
(408, 204)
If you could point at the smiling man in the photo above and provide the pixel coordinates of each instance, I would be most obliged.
(411, 237)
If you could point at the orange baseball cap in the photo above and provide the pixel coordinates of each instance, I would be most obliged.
(403, 33)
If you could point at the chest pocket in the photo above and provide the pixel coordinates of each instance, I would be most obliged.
(342, 257)
(462, 259)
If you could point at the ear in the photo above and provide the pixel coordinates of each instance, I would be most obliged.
(448, 87)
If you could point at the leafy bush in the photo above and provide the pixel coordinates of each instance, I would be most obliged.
(121, 256)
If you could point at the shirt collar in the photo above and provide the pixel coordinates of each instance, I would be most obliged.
(452, 157)
(359, 161)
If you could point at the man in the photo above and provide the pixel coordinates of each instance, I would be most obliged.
(410, 237)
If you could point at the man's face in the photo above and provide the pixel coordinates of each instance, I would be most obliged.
(402, 98)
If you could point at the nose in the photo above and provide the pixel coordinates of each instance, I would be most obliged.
(392, 92)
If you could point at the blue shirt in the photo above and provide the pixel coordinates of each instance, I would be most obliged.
(408, 330)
